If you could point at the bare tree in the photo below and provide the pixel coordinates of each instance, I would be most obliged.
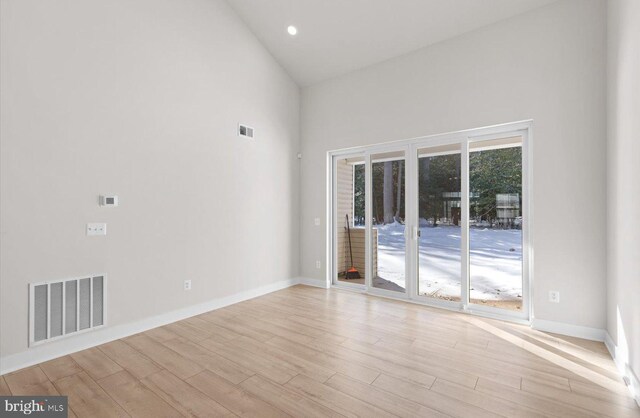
(387, 194)
(399, 192)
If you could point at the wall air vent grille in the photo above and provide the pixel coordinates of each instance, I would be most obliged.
(61, 308)
(245, 131)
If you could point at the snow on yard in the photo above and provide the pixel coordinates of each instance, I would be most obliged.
(495, 262)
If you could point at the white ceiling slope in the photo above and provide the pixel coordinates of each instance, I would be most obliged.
(339, 36)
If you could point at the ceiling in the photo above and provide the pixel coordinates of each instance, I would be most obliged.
(338, 36)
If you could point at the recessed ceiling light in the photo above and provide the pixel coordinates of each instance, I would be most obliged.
(292, 30)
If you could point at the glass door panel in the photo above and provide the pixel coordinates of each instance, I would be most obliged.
(439, 220)
(495, 223)
(388, 236)
(349, 213)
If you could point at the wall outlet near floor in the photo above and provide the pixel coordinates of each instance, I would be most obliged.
(94, 229)
(318, 265)
(187, 285)
(554, 296)
(316, 221)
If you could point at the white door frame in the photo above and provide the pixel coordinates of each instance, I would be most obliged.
(410, 147)
(332, 209)
(464, 242)
(405, 149)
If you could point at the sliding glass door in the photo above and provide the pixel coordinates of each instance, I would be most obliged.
(349, 258)
(442, 220)
(495, 223)
(388, 221)
(439, 222)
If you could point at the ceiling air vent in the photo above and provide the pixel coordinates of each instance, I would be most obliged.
(245, 131)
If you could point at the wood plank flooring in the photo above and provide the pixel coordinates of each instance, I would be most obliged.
(309, 352)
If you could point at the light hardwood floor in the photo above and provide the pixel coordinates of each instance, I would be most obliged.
(307, 352)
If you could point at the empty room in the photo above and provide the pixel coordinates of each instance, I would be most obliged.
(310, 208)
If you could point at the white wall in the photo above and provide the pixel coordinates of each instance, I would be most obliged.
(141, 99)
(547, 65)
(623, 186)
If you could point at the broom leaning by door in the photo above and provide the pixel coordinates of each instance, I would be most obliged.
(352, 272)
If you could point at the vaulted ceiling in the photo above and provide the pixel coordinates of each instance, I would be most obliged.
(338, 36)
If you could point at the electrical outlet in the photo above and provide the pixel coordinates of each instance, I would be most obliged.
(96, 229)
(318, 265)
(554, 296)
(317, 221)
(187, 285)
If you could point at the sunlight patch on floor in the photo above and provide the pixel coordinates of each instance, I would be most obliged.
(556, 359)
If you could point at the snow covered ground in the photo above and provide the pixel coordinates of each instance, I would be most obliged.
(495, 263)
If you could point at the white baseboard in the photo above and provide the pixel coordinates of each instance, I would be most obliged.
(313, 282)
(45, 352)
(588, 333)
(623, 368)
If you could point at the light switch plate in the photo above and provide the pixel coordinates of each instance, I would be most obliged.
(94, 229)
(317, 221)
